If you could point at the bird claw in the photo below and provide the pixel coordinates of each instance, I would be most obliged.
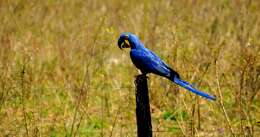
(141, 75)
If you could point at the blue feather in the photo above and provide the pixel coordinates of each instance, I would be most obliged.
(189, 87)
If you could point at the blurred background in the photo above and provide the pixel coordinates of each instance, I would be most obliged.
(62, 74)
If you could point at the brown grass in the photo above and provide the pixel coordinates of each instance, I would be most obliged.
(62, 74)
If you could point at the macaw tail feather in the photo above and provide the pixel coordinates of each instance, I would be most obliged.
(189, 87)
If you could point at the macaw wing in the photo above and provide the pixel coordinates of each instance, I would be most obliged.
(147, 62)
(161, 61)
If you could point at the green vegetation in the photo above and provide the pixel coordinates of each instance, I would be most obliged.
(62, 74)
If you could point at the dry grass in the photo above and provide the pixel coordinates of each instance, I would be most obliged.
(62, 74)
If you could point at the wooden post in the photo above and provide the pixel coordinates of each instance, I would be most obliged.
(143, 115)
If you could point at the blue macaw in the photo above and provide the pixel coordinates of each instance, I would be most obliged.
(148, 62)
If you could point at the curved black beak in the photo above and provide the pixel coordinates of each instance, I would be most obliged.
(123, 42)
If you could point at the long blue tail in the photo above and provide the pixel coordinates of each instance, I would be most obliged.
(189, 87)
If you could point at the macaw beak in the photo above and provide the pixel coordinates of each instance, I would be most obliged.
(124, 42)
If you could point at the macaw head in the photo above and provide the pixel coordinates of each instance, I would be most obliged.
(128, 40)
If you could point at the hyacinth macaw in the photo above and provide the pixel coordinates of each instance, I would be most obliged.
(148, 62)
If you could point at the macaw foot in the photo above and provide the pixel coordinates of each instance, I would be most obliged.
(141, 76)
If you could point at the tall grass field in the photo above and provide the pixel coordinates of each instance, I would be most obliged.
(62, 73)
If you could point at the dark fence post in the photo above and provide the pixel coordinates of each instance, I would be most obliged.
(143, 115)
